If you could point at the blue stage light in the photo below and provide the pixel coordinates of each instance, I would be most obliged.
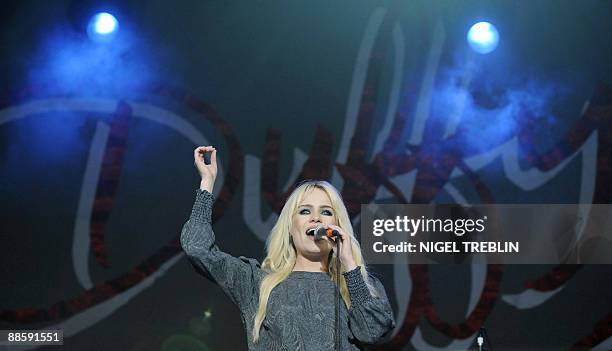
(483, 37)
(102, 26)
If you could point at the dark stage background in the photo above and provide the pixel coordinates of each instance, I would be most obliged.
(384, 99)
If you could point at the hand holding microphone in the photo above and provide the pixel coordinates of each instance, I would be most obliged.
(335, 233)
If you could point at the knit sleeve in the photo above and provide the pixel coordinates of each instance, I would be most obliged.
(237, 276)
(370, 318)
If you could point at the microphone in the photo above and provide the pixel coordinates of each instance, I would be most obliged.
(320, 232)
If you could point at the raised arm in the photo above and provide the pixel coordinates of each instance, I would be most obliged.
(238, 277)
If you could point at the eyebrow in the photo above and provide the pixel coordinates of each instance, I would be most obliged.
(308, 205)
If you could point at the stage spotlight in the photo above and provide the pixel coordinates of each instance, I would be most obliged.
(483, 37)
(102, 27)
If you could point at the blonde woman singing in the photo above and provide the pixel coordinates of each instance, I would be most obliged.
(287, 302)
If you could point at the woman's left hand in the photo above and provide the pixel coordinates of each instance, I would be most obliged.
(346, 253)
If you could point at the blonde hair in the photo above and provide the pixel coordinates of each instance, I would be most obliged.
(281, 254)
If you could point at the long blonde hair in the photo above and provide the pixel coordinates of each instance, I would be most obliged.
(281, 253)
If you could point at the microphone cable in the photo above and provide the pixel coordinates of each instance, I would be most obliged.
(320, 232)
(337, 334)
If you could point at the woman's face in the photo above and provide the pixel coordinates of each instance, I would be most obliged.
(314, 210)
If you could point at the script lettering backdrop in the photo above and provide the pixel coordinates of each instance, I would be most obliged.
(386, 101)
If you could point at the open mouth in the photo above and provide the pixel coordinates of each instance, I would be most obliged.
(311, 231)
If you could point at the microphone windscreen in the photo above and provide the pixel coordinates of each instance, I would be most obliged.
(320, 233)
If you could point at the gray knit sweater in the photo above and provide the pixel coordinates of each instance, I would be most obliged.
(301, 309)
